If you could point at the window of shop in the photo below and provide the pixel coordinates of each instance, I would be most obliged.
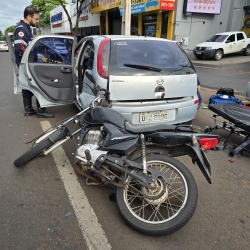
(248, 2)
(149, 24)
(164, 26)
(103, 24)
(134, 25)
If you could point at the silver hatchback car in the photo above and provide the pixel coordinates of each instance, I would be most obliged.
(150, 80)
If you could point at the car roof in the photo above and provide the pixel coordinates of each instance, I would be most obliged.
(229, 33)
(123, 37)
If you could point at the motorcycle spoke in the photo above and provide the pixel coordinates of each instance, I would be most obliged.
(157, 209)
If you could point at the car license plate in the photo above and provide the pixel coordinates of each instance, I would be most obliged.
(155, 116)
(198, 52)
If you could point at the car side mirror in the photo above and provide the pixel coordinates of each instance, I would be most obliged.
(227, 41)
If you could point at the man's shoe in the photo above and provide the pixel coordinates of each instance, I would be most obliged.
(30, 111)
(42, 113)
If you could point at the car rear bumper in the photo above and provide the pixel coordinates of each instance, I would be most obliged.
(178, 112)
(204, 53)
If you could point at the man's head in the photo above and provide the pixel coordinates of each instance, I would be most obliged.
(31, 16)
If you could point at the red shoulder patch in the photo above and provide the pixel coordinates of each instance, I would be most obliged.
(20, 34)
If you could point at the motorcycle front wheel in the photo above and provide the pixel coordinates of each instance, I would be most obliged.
(164, 209)
(32, 153)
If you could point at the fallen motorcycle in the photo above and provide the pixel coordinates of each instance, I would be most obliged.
(155, 193)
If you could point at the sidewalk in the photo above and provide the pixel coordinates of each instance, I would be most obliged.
(227, 59)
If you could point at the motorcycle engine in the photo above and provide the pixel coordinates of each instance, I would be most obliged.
(92, 142)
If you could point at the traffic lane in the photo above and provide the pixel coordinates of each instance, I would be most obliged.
(120, 235)
(229, 59)
(33, 202)
(234, 76)
(210, 226)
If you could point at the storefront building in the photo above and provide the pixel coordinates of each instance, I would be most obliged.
(148, 17)
(89, 24)
(196, 21)
(59, 21)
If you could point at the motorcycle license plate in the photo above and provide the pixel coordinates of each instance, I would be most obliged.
(155, 116)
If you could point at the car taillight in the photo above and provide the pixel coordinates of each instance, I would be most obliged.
(208, 143)
(196, 101)
(103, 58)
(5, 45)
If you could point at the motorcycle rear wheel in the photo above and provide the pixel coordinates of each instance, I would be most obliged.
(32, 153)
(163, 211)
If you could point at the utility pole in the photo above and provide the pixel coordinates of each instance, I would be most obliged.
(126, 18)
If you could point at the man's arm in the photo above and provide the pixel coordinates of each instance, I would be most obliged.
(20, 40)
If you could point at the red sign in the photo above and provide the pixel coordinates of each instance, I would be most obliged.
(83, 18)
(57, 25)
(167, 4)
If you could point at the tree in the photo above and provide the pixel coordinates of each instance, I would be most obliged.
(44, 7)
(11, 28)
(2, 37)
(79, 8)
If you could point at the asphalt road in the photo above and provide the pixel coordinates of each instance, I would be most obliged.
(35, 199)
(232, 71)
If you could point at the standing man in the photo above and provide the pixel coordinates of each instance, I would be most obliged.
(22, 37)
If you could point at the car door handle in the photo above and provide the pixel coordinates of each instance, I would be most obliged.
(66, 70)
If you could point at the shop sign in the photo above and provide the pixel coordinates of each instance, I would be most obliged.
(135, 9)
(57, 25)
(101, 5)
(203, 6)
(57, 17)
(137, 6)
(167, 4)
(83, 18)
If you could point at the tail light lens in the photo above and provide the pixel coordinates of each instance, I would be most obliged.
(208, 143)
(103, 58)
(196, 101)
(5, 44)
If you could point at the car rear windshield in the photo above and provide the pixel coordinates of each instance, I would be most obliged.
(1, 42)
(60, 45)
(163, 56)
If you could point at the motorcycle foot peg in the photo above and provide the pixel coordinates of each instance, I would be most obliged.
(88, 155)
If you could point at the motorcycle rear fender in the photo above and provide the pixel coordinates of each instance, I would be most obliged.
(193, 150)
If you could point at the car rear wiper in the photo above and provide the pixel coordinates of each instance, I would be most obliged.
(140, 66)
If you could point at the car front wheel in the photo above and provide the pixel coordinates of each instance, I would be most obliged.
(218, 55)
(247, 52)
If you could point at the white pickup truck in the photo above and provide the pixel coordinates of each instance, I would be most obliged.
(223, 43)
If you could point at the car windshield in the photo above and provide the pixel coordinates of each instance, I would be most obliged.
(217, 38)
(147, 55)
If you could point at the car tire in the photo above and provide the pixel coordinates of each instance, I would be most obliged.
(218, 55)
(247, 51)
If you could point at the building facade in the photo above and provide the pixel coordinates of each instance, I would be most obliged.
(195, 26)
(148, 17)
(187, 21)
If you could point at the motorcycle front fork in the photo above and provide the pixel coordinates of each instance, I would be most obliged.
(143, 153)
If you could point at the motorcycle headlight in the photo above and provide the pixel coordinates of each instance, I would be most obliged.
(208, 48)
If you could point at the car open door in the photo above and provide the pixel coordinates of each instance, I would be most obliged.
(9, 39)
(48, 74)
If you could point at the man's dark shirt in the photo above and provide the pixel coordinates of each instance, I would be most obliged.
(22, 37)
